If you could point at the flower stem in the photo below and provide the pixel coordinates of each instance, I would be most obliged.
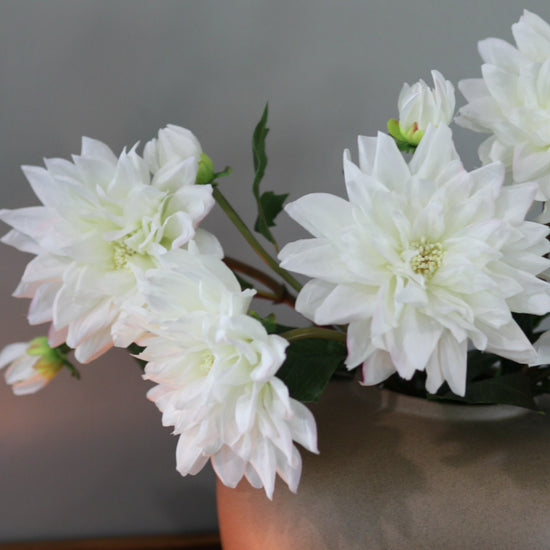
(280, 293)
(314, 332)
(252, 241)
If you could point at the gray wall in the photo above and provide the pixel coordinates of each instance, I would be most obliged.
(90, 458)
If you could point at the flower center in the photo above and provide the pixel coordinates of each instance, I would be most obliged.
(206, 361)
(121, 254)
(428, 258)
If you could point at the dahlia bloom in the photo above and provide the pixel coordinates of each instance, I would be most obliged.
(214, 369)
(423, 258)
(32, 365)
(103, 220)
(419, 106)
(511, 102)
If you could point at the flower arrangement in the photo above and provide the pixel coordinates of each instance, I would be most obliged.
(428, 279)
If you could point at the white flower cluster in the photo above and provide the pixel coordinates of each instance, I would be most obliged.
(103, 221)
(422, 258)
(215, 367)
(512, 104)
(120, 259)
(426, 259)
(423, 261)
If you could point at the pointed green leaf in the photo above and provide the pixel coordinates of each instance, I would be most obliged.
(271, 205)
(309, 366)
(270, 201)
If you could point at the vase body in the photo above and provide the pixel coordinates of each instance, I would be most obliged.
(397, 472)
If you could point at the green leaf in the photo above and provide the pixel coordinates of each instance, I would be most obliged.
(265, 219)
(309, 366)
(270, 323)
(481, 365)
(508, 389)
(271, 205)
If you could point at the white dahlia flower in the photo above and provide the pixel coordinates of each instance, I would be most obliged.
(419, 106)
(215, 368)
(103, 220)
(32, 365)
(422, 258)
(512, 103)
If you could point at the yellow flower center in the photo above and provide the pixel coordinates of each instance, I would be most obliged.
(121, 254)
(428, 259)
(206, 361)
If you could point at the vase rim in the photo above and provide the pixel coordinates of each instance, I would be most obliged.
(445, 410)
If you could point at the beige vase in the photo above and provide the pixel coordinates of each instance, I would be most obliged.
(397, 472)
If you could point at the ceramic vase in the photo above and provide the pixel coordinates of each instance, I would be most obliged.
(398, 472)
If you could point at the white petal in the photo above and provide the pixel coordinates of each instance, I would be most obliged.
(320, 213)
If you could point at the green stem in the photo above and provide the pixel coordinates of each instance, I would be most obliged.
(253, 242)
(314, 332)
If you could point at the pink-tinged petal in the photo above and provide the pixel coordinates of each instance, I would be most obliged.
(41, 308)
(57, 337)
(229, 467)
(97, 319)
(12, 352)
(45, 268)
(29, 385)
(189, 459)
(264, 463)
(291, 474)
(94, 346)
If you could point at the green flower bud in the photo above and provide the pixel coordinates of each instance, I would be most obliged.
(206, 170)
(50, 360)
(407, 139)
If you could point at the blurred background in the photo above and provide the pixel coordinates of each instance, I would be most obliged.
(90, 458)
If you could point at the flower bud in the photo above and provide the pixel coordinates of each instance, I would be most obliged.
(206, 170)
(32, 365)
(419, 106)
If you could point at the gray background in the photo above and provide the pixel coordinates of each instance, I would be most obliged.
(91, 458)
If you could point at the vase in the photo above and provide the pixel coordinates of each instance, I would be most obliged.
(398, 472)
